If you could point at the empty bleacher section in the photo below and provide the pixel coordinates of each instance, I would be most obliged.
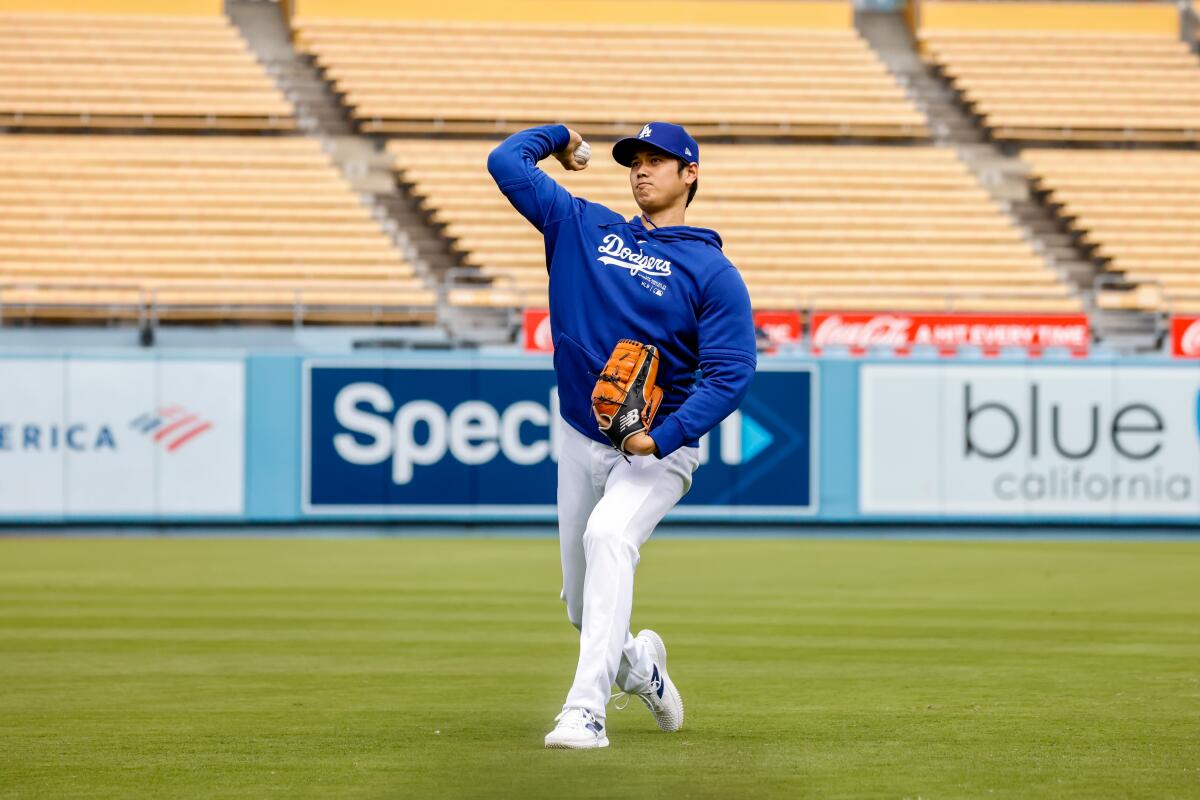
(801, 71)
(1109, 72)
(1141, 210)
(192, 228)
(852, 227)
(157, 70)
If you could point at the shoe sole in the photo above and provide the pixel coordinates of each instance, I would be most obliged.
(564, 746)
(660, 650)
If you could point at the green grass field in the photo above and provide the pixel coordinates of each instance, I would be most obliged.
(432, 668)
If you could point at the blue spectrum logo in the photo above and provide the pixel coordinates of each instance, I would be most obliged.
(396, 441)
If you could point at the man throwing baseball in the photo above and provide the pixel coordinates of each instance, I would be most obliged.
(649, 280)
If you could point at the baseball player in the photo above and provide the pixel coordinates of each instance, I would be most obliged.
(652, 279)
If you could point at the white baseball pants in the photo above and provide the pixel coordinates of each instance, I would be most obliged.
(607, 508)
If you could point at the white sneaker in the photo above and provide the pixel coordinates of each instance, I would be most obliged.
(660, 696)
(577, 729)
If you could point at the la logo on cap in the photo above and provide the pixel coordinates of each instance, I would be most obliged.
(645, 132)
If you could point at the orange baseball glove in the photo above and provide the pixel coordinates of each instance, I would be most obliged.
(626, 398)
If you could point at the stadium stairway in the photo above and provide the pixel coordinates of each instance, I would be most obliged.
(1004, 175)
(321, 113)
(265, 31)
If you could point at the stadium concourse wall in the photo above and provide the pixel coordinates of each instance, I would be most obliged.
(127, 437)
(1082, 17)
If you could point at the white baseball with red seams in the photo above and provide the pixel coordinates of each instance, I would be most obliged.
(583, 153)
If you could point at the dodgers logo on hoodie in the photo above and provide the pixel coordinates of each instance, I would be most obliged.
(651, 270)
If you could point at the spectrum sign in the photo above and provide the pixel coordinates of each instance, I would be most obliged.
(399, 441)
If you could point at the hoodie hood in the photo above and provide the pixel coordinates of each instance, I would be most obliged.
(671, 233)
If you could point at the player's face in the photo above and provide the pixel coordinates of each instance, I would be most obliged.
(657, 181)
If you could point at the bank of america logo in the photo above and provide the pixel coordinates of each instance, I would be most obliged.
(171, 426)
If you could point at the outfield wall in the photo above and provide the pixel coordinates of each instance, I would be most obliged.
(281, 437)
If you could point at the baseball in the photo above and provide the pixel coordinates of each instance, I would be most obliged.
(583, 153)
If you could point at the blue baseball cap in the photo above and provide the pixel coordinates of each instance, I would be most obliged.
(671, 139)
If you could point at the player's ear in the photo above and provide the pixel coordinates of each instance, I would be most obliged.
(687, 171)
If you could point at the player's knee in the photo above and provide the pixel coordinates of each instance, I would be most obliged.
(603, 533)
(574, 601)
(575, 616)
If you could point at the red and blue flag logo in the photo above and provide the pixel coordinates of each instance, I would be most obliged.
(172, 426)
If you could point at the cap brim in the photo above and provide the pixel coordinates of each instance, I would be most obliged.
(624, 150)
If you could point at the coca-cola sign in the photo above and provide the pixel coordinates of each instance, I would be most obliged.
(990, 332)
(1185, 337)
(860, 331)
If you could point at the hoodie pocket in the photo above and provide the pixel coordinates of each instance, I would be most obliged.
(576, 369)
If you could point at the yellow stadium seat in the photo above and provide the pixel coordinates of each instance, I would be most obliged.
(110, 71)
(1073, 85)
(193, 228)
(1139, 209)
(808, 225)
(409, 77)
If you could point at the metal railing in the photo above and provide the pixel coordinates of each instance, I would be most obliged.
(116, 301)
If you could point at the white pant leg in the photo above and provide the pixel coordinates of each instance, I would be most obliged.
(583, 469)
(580, 486)
(637, 495)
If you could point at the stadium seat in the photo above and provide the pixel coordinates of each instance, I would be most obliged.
(1139, 210)
(103, 71)
(193, 227)
(1086, 76)
(406, 77)
(808, 225)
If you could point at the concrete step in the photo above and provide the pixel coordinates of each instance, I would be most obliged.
(436, 250)
(1129, 331)
(1057, 241)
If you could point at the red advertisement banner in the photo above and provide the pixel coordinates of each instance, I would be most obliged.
(859, 331)
(1185, 337)
(536, 331)
(780, 327)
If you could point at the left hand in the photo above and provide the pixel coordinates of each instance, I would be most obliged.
(640, 444)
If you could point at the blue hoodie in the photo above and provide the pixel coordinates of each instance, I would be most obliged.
(612, 278)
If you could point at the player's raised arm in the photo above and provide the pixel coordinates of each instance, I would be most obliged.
(514, 167)
(727, 360)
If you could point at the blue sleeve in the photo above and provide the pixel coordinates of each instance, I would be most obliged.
(514, 166)
(728, 358)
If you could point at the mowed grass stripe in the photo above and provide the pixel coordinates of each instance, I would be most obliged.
(432, 668)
